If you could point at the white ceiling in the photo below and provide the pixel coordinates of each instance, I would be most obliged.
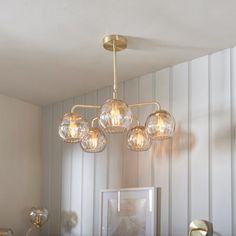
(51, 50)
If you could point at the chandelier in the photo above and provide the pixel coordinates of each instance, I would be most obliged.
(116, 116)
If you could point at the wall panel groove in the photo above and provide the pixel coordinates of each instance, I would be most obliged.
(209, 139)
(170, 156)
(189, 144)
(199, 139)
(232, 134)
(154, 109)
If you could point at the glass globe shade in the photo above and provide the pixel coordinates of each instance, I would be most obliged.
(160, 125)
(115, 116)
(38, 216)
(73, 128)
(138, 139)
(94, 141)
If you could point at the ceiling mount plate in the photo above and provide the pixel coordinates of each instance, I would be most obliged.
(119, 41)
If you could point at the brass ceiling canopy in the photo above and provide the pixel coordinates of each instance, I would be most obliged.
(114, 42)
(115, 116)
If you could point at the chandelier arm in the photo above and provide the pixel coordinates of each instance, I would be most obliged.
(146, 104)
(135, 118)
(93, 121)
(84, 106)
(114, 70)
(29, 232)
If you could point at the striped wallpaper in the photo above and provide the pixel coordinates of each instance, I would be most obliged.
(195, 170)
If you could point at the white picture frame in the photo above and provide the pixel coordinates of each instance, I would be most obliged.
(129, 211)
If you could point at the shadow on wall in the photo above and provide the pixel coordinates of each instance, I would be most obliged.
(69, 220)
(216, 234)
(222, 138)
(223, 130)
(181, 141)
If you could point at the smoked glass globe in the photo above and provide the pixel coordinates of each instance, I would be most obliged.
(73, 128)
(38, 216)
(160, 125)
(115, 116)
(138, 139)
(94, 141)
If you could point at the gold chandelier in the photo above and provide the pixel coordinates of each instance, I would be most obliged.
(116, 116)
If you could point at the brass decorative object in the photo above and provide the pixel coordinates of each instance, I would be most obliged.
(200, 228)
(115, 116)
(38, 217)
(6, 232)
(119, 41)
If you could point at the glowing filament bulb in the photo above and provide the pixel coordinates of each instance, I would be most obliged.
(161, 125)
(139, 140)
(115, 115)
(73, 129)
(94, 140)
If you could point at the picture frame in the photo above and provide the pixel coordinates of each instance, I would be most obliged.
(129, 211)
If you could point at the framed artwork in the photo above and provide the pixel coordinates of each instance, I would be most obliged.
(129, 212)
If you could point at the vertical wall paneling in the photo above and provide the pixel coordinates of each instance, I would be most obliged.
(161, 150)
(130, 164)
(180, 151)
(220, 142)
(233, 123)
(116, 153)
(209, 140)
(145, 158)
(170, 155)
(66, 176)
(47, 134)
(56, 158)
(195, 170)
(199, 139)
(88, 175)
(101, 166)
(77, 177)
(189, 206)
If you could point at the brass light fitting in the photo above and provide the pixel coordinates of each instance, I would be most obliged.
(115, 116)
(200, 228)
(38, 217)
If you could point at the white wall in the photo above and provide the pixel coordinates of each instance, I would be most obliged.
(20, 162)
(196, 170)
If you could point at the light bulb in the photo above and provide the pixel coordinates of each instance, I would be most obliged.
(94, 141)
(73, 128)
(138, 139)
(115, 116)
(160, 125)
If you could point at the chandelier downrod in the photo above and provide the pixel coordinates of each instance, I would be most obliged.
(114, 43)
(114, 71)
